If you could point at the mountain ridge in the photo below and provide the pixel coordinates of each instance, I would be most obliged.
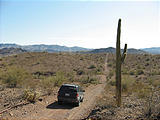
(43, 47)
(152, 50)
(59, 48)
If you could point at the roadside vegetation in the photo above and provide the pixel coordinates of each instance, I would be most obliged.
(39, 74)
(140, 89)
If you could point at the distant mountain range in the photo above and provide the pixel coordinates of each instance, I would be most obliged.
(113, 50)
(58, 48)
(152, 50)
(42, 48)
(11, 51)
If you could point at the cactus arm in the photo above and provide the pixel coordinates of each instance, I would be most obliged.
(124, 53)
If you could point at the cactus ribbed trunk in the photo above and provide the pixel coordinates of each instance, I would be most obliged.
(119, 60)
(118, 65)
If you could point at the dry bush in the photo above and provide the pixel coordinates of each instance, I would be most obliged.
(59, 79)
(139, 72)
(91, 67)
(31, 95)
(88, 80)
(15, 76)
(49, 83)
(127, 83)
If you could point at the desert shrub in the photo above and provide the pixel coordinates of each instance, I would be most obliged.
(80, 72)
(59, 78)
(144, 92)
(91, 67)
(81, 58)
(109, 64)
(147, 64)
(141, 89)
(31, 95)
(112, 82)
(127, 83)
(139, 67)
(15, 56)
(93, 80)
(111, 73)
(125, 71)
(48, 84)
(132, 72)
(52, 81)
(15, 76)
(70, 76)
(156, 83)
(155, 72)
(147, 59)
(88, 79)
(98, 71)
(139, 72)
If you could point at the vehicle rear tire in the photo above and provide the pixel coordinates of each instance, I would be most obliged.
(77, 104)
(82, 100)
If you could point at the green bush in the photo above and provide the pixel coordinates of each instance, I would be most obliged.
(132, 72)
(52, 81)
(14, 76)
(91, 67)
(112, 82)
(125, 71)
(127, 83)
(144, 92)
(111, 73)
(140, 72)
(48, 84)
(88, 79)
(59, 78)
(109, 64)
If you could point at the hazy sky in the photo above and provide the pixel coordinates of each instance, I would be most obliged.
(85, 23)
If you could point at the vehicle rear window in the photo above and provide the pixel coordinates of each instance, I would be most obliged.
(68, 88)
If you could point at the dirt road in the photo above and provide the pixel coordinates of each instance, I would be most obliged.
(48, 108)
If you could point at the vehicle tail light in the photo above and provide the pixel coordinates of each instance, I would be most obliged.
(77, 95)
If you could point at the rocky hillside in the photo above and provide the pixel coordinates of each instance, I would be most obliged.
(153, 50)
(10, 51)
(42, 47)
(113, 50)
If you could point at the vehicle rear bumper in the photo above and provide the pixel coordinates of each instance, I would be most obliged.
(68, 100)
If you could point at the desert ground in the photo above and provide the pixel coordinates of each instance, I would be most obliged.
(29, 83)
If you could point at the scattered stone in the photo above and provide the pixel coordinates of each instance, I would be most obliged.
(11, 114)
(40, 99)
(1, 88)
(128, 117)
(7, 104)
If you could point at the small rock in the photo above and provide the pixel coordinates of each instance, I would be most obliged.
(6, 104)
(128, 117)
(25, 112)
(11, 114)
(40, 99)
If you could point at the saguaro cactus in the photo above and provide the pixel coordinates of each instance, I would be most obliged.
(119, 60)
